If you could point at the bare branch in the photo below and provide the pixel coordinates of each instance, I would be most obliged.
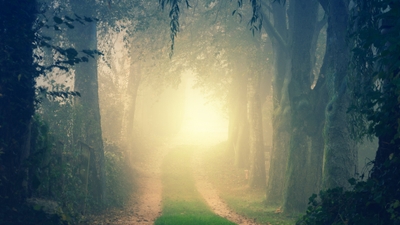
(271, 31)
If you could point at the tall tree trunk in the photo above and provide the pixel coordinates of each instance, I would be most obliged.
(340, 153)
(281, 111)
(131, 93)
(241, 159)
(86, 83)
(304, 24)
(257, 176)
(316, 121)
(318, 99)
(17, 94)
(241, 144)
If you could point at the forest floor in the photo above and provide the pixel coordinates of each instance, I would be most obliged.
(145, 206)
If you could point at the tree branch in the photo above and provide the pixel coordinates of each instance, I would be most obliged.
(271, 31)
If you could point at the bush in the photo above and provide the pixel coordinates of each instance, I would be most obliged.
(375, 201)
(119, 175)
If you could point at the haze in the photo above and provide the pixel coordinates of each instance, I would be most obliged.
(199, 112)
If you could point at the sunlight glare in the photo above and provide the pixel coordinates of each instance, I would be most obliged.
(202, 123)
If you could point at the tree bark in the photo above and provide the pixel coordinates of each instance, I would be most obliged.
(86, 83)
(305, 14)
(340, 153)
(281, 111)
(17, 96)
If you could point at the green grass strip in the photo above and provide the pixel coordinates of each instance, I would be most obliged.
(182, 203)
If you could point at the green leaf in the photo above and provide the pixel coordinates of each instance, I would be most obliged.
(88, 19)
(69, 18)
(84, 59)
(70, 26)
(395, 204)
(37, 207)
(71, 53)
(352, 181)
(58, 20)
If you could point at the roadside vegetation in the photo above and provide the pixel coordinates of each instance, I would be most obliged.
(232, 185)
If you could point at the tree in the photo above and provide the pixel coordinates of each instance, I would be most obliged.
(374, 105)
(281, 109)
(294, 103)
(340, 154)
(17, 95)
(310, 109)
(243, 55)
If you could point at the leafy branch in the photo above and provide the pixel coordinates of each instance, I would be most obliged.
(174, 12)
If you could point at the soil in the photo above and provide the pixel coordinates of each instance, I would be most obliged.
(145, 205)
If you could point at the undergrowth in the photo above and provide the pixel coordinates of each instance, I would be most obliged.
(374, 202)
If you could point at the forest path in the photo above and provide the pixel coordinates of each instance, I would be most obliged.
(145, 205)
(211, 195)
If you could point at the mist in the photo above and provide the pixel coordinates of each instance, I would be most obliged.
(199, 112)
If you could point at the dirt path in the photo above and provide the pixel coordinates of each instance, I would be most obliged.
(210, 194)
(145, 205)
(148, 205)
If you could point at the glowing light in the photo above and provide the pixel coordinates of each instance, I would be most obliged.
(202, 122)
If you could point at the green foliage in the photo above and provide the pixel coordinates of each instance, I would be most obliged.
(376, 92)
(65, 56)
(119, 176)
(369, 202)
(63, 170)
(375, 80)
(174, 13)
(31, 215)
(17, 93)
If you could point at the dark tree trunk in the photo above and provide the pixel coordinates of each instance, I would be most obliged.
(281, 111)
(17, 94)
(84, 37)
(340, 153)
(304, 25)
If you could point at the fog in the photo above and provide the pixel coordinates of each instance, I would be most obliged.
(202, 122)
(195, 112)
